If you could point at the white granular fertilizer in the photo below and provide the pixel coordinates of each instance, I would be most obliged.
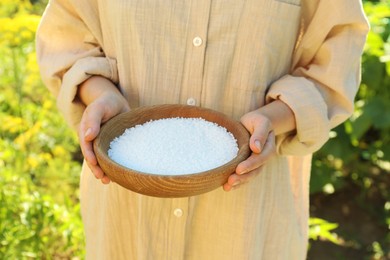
(174, 146)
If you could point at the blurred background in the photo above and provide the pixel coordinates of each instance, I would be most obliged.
(40, 160)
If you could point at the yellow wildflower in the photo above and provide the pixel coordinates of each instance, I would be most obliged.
(33, 161)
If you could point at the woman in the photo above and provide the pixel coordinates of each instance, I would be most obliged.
(288, 68)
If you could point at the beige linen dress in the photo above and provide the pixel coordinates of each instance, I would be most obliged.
(229, 55)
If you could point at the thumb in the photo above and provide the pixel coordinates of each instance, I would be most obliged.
(92, 120)
(91, 132)
(255, 145)
(89, 129)
(258, 139)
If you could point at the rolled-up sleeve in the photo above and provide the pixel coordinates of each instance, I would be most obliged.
(69, 51)
(325, 73)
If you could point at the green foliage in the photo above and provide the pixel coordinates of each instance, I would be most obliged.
(359, 146)
(321, 229)
(358, 153)
(32, 224)
(39, 207)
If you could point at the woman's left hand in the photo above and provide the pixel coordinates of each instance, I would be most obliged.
(262, 145)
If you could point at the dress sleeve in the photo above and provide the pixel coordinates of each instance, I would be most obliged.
(325, 73)
(69, 51)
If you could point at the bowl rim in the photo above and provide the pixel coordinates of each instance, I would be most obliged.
(242, 154)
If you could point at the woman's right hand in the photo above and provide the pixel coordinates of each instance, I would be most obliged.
(103, 101)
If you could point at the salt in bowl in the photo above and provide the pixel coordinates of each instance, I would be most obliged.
(168, 186)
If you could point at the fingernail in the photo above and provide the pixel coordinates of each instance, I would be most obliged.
(236, 183)
(242, 172)
(89, 130)
(258, 144)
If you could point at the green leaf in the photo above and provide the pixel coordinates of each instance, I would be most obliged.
(373, 72)
(320, 228)
(378, 109)
(360, 125)
(374, 45)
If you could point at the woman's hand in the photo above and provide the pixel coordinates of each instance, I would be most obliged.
(262, 145)
(263, 124)
(103, 101)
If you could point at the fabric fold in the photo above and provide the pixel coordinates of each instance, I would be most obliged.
(83, 69)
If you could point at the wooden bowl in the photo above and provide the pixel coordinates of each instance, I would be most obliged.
(168, 186)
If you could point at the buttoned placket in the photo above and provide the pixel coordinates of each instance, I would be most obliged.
(191, 95)
(177, 228)
(195, 53)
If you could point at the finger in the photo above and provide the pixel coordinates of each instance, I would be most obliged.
(105, 179)
(255, 160)
(252, 162)
(99, 173)
(259, 136)
(232, 181)
(96, 170)
(87, 150)
(89, 129)
(245, 178)
(235, 181)
(92, 120)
